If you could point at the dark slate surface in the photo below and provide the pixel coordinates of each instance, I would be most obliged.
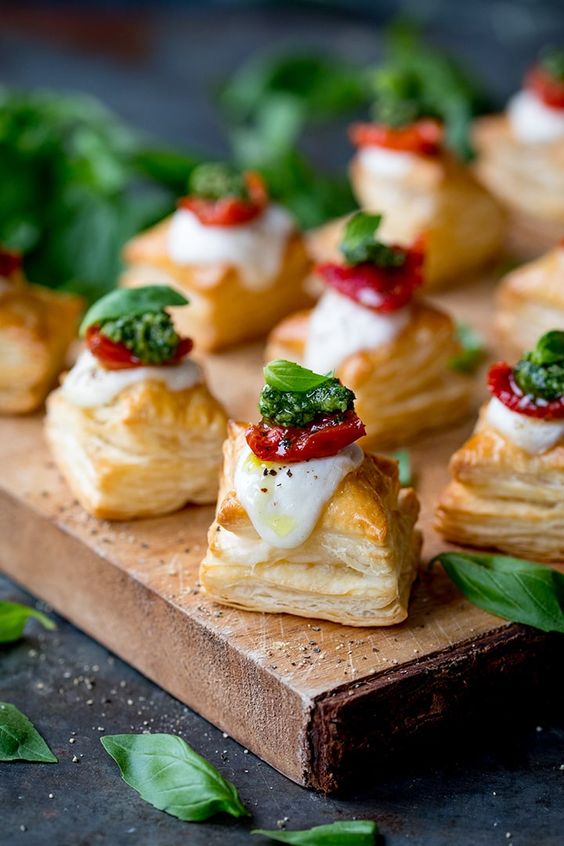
(501, 781)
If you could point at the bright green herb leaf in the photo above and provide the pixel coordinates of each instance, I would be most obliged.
(289, 376)
(473, 350)
(131, 301)
(169, 775)
(13, 618)
(19, 740)
(512, 588)
(360, 244)
(345, 833)
(403, 459)
(549, 349)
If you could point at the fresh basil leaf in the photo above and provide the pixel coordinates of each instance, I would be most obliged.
(288, 376)
(19, 740)
(360, 244)
(473, 350)
(549, 349)
(172, 777)
(13, 618)
(130, 301)
(343, 833)
(403, 459)
(515, 589)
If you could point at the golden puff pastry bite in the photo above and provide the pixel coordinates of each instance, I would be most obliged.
(507, 491)
(306, 522)
(530, 301)
(521, 156)
(37, 326)
(236, 255)
(133, 427)
(397, 354)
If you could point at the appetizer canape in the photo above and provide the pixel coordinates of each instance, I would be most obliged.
(306, 522)
(395, 353)
(508, 478)
(521, 155)
(530, 301)
(37, 326)
(403, 170)
(235, 254)
(133, 428)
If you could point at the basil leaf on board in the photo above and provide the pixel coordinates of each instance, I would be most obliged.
(19, 739)
(130, 301)
(344, 833)
(288, 376)
(172, 777)
(13, 618)
(473, 350)
(403, 459)
(512, 588)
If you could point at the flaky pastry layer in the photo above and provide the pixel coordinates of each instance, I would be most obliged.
(530, 302)
(527, 178)
(147, 452)
(36, 328)
(223, 311)
(356, 567)
(403, 389)
(502, 497)
(442, 201)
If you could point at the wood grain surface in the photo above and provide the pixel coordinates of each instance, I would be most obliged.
(309, 697)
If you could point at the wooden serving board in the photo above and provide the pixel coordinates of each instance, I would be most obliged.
(314, 699)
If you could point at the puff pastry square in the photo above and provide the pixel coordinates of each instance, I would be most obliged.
(356, 567)
(439, 199)
(147, 452)
(37, 326)
(404, 388)
(504, 498)
(530, 302)
(223, 310)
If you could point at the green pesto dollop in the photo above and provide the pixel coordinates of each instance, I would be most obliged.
(360, 244)
(151, 337)
(540, 373)
(298, 408)
(213, 181)
(399, 97)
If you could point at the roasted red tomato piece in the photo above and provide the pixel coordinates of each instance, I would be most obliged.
(325, 436)
(503, 386)
(230, 211)
(424, 137)
(116, 356)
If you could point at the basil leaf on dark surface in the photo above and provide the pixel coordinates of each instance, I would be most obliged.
(343, 833)
(19, 739)
(289, 376)
(512, 588)
(13, 618)
(131, 301)
(172, 777)
(472, 351)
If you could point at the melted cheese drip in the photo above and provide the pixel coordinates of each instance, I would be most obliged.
(528, 433)
(284, 501)
(89, 384)
(256, 248)
(532, 121)
(382, 162)
(339, 327)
